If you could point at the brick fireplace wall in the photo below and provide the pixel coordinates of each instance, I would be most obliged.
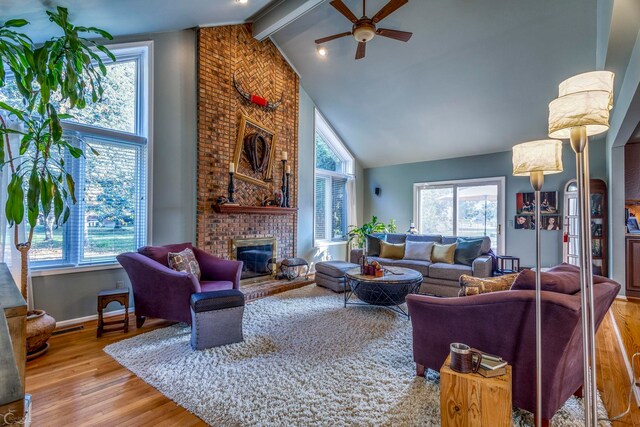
(263, 71)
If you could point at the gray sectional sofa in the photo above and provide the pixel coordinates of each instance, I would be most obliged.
(439, 278)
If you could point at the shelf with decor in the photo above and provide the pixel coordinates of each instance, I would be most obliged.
(255, 210)
(599, 230)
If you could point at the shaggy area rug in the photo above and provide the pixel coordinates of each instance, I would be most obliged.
(306, 360)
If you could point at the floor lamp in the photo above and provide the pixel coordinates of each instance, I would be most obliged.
(536, 159)
(581, 110)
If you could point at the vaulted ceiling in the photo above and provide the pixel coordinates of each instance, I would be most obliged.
(124, 17)
(476, 77)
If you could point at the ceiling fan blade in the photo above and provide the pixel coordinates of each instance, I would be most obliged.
(388, 9)
(362, 46)
(333, 37)
(343, 9)
(403, 36)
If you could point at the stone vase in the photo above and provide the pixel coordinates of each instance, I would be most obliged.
(40, 326)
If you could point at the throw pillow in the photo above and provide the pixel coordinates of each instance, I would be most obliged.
(420, 251)
(468, 250)
(391, 251)
(372, 243)
(444, 253)
(470, 285)
(564, 279)
(184, 261)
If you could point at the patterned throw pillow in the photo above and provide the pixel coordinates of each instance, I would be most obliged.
(470, 285)
(184, 261)
(444, 253)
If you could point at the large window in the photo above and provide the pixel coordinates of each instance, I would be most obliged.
(110, 216)
(333, 185)
(462, 208)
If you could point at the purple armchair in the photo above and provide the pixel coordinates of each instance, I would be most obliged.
(503, 323)
(159, 291)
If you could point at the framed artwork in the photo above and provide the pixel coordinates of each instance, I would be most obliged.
(524, 222)
(596, 229)
(526, 203)
(255, 152)
(596, 248)
(632, 225)
(551, 222)
(596, 204)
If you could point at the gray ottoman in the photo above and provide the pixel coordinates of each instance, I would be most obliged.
(330, 274)
(216, 318)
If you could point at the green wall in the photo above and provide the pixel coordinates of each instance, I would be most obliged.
(396, 199)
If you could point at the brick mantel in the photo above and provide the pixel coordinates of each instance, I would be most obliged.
(222, 51)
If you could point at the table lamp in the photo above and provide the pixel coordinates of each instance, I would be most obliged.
(581, 110)
(536, 159)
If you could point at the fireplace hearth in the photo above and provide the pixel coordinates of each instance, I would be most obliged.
(256, 254)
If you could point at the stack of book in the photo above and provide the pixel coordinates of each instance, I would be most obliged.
(492, 366)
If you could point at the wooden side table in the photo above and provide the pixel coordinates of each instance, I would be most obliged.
(104, 298)
(472, 400)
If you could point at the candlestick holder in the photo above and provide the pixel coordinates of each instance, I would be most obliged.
(287, 201)
(231, 189)
(284, 184)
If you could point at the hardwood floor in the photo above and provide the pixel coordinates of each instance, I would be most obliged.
(77, 384)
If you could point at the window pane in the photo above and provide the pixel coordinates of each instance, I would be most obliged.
(478, 212)
(326, 158)
(321, 211)
(339, 208)
(117, 109)
(436, 210)
(110, 200)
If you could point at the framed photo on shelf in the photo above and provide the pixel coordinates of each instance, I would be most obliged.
(596, 248)
(632, 225)
(596, 204)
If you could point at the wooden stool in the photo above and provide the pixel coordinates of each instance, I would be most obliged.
(473, 400)
(104, 298)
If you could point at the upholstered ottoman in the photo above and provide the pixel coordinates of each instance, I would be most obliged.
(330, 274)
(216, 318)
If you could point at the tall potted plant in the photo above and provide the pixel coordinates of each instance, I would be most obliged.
(66, 70)
(357, 235)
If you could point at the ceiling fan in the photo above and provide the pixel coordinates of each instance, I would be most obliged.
(365, 29)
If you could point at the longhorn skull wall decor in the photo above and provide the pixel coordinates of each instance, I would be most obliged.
(255, 99)
(255, 151)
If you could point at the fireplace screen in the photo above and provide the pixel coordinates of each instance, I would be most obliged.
(256, 255)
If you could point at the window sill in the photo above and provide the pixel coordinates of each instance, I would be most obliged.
(324, 244)
(55, 271)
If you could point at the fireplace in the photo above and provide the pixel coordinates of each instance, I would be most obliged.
(256, 254)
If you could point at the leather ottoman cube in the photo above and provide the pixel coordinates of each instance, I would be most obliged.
(216, 318)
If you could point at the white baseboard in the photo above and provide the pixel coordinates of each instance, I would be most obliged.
(73, 322)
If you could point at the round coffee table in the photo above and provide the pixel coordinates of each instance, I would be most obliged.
(388, 291)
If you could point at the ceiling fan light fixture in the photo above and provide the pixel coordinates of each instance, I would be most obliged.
(322, 51)
(364, 32)
(241, 1)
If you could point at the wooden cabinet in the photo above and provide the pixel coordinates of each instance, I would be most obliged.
(633, 267)
(599, 225)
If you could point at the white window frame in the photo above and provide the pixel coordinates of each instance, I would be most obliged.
(499, 180)
(334, 142)
(142, 52)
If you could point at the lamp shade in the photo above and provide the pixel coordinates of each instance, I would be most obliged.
(537, 156)
(584, 100)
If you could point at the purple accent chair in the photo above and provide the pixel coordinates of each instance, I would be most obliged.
(159, 291)
(503, 323)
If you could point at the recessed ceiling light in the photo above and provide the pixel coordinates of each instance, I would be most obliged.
(322, 51)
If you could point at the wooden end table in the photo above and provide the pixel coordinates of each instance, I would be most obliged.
(473, 400)
(104, 298)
